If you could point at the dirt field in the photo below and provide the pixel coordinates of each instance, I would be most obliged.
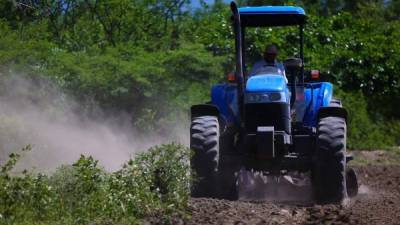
(378, 202)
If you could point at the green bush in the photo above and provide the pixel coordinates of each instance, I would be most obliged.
(153, 59)
(153, 184)
(365, 132)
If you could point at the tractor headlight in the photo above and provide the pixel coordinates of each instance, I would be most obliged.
(275, 96)
(265, 97)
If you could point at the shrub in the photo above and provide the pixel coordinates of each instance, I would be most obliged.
(153, 184)
(365, 131)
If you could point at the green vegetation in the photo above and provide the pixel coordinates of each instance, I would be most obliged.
(135, 56)
(153, 184)
(152, 60)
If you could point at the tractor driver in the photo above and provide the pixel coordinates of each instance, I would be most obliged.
(270, 54)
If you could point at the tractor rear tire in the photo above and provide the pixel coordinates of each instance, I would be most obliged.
(204, 142)
(329, 173)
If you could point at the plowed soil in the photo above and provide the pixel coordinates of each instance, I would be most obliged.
(378, 202)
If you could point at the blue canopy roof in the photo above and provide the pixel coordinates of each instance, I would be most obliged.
(272, 16)
(272, 10)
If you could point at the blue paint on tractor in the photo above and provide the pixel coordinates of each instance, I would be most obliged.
(224, 96)
(316, 95)
(287, 10)
(272, 16)
(266, 83)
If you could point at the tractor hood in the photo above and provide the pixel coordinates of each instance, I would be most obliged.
(266, 83)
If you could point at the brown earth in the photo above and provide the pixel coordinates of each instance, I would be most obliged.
(378, 202)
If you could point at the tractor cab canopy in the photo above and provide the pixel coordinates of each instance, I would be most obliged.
(265, 16)
(272, 16)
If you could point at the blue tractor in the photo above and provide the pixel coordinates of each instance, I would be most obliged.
(269, 123)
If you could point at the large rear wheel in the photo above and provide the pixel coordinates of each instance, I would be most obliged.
(329, 175)
(212, 162)
(204, 142)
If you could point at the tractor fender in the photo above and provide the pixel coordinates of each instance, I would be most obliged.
(204, 110)
(332, 111)
(209, 110)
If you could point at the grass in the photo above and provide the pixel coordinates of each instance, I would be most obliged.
(154, 184)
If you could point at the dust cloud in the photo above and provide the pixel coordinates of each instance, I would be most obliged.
(364, 190)
(60, 128)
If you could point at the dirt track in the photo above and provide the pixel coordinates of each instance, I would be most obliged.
(377, 203)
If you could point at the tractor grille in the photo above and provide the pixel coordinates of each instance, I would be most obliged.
(267, 114)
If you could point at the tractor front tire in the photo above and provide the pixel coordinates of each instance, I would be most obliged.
(329, 173)
(204, 142)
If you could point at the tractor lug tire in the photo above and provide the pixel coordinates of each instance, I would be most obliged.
(212, 162)
(204, 142)
(329, 172)
(351, 182)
